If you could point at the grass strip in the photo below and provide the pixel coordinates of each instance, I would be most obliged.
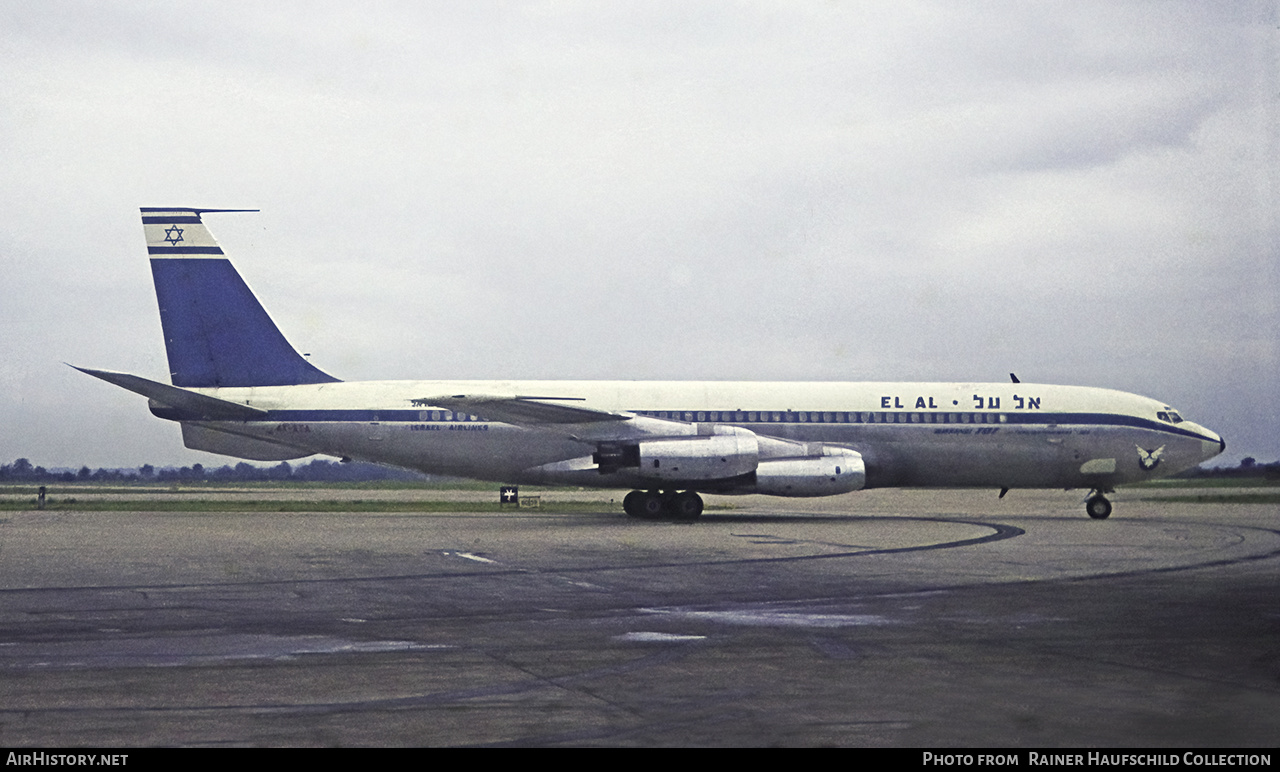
(250, 505)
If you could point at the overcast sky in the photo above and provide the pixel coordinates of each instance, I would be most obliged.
(1078, 192)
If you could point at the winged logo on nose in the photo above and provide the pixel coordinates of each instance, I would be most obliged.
(1149, 459)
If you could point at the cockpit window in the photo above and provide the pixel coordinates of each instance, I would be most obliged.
(1170, 416)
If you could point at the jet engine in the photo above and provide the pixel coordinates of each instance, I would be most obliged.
(837, 470)
(738, 461)
(710, 457)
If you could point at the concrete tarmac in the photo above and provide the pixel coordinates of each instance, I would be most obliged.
(936, 620)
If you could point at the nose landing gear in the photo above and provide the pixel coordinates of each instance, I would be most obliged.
(652, 505)
(1098, 506)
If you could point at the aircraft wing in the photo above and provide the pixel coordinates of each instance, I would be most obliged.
(199, 406)
(523, 410)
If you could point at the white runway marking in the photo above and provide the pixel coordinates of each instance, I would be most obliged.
(769, 618)
(650, 637)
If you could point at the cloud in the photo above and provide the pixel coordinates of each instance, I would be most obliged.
(1081, 191)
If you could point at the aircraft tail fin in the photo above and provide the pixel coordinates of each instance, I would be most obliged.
(216, 333)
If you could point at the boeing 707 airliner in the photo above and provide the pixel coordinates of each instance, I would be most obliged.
(240, 389)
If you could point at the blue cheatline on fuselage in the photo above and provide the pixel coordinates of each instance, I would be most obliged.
(952, 420)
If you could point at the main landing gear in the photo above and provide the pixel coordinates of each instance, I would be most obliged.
(652, 505)
(1097, 505)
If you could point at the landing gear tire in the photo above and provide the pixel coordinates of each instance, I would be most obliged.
(686, 506)
(1098, 507)
(649, 506)
(642, 505)
(631, 504)
(652, 505)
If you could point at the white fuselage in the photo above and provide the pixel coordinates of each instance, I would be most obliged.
(1004, 435)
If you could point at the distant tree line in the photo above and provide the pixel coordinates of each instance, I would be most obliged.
(1248, 467)
(22, 471)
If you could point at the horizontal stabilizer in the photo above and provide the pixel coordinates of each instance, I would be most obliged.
(193, 406)
(522, 410)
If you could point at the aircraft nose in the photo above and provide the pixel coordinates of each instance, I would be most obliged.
(1210, 449)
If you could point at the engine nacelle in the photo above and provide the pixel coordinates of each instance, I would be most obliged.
(837, 470)
(712, 457)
